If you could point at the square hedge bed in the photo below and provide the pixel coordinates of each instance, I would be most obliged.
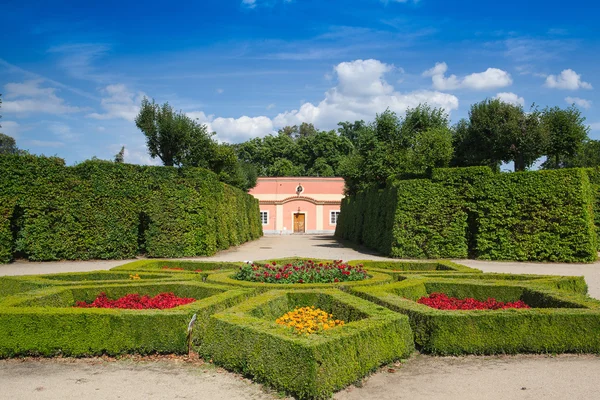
(45, 322)
(247, 339)
(558, 322)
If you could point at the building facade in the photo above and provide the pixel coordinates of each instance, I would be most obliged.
(299, 204)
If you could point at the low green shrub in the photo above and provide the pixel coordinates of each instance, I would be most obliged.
(227, 278)
(44, 322)
(174, 265)
(441, 266)
(245, 338)
(558, 322)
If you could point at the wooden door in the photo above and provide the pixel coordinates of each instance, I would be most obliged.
(298, 223)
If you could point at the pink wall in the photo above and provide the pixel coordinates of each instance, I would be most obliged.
(309, 209)
(271, 209)
(312, 186)
(280, 193)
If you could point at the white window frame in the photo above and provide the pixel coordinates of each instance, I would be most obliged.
(331, 214)
(267, 217)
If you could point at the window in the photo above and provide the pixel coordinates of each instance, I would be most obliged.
(333, 217)
(264, 217)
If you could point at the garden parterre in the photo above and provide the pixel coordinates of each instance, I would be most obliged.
(378, 318)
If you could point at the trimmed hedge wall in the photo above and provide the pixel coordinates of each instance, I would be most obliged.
(244, 338)
(410, 219)
(545, 216)
(460, 212)
(559, 322)
(104, 210)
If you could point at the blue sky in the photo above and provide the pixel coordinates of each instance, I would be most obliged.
(73, 73)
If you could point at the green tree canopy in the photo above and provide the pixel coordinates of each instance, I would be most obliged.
(566, 135)
(499, 132)
(172, 136)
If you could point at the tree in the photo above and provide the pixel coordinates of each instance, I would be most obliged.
(8, 145)
(586, 156)
(350, 130)
(566, 134)
(499, 132)
(120, 156)
(432, 148)
(171, 136)
(284, 167)
(423, 118)
(392, 147)
(296, 132)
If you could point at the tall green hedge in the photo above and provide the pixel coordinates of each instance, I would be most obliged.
(594, 176)
(410, 219)
(460, 212)
(104, 210)
(544, 216)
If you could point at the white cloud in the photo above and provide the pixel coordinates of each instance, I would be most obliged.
(249, 3)
(10, 128)
(270, 106)
(361, 93)
(509, 97)
(595, 126)
(583, 103)
(119, 103)
(568, 79)
(491, 78)
(219, 90)
(30, 97)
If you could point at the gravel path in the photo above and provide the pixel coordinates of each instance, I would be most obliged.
(570, 377)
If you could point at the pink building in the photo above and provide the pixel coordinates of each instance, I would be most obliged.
(299, 204)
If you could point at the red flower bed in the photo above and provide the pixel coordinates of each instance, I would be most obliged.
(442, 302)
(136, 302)
(301, 272)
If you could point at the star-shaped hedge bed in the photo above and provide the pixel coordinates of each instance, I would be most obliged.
(236, 320)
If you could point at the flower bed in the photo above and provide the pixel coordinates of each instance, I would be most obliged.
(301, 272)
(308, 320)
(442, 302)
(136, 302)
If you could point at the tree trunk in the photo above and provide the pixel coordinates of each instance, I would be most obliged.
(519, 162)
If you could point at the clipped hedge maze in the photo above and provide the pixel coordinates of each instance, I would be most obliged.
(236, 327)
